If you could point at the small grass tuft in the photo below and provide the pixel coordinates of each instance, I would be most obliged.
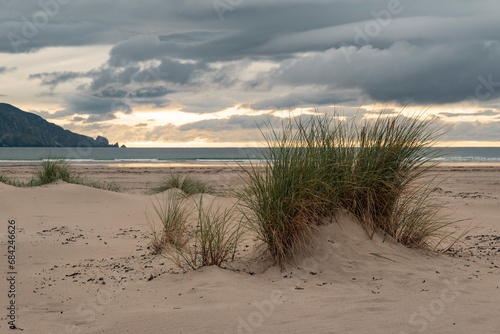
(214, 240)
(188, 184)
(53, 169)
(168, 222)
(17, 183)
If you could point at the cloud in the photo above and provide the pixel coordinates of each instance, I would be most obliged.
(55, 78)
(433, 55)
(297, 100)
(245, 129)
(22, 37)
(261, 54)
(100, 118)
(168, 71)
(100, 77)
(232, 123)
(140, 93)
(100, 109)
(78, 119)
(466, 131)
(488, 112)
(435, 74)
(5, 69)
(29, 27)
(207, 103)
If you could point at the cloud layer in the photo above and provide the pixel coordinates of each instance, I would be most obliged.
(205, 56)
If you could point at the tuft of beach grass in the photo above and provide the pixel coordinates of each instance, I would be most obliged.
(214, 240)
(52, 169)
(168, 221)
(379, 171)
(188, 184)
(286, 195)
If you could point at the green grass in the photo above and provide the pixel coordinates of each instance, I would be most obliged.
(109, 186)
(16, 183)
(288, 193)
(52, 169)
(379, 171)
(188, 184)
(214, 240)
(168, 222)
(395, 152)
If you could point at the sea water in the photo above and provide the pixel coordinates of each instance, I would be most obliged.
(128, 155)
(209, 155)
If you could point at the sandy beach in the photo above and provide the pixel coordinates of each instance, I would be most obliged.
(83, 265)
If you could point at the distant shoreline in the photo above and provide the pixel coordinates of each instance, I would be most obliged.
(221, 163)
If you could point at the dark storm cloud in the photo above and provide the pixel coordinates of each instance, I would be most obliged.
(429, 53)
(111, 92)
(297, 100)
(140, 93)
(283, 28)
(100, 118)
(443, 73)
(92, 105)
(55, 78)
(27, 26)
(104, 106)
(17, 38)
(168, 71)
(244, 31)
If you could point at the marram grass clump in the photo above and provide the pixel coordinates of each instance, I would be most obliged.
(52, 169)
(288, 193)
(213, 241)
(188, 184)
(168, 220)
(394, 153)
(379, 171)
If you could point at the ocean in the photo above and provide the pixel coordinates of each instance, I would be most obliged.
(156, 156)
(143, 156)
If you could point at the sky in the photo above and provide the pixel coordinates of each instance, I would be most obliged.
(165, 73)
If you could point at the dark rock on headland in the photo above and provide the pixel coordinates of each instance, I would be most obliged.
(23, 129)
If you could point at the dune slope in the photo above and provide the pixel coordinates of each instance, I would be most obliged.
(84, 267)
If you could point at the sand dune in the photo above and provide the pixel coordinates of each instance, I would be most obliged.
(84, 266)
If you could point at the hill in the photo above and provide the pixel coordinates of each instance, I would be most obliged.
(23, 129)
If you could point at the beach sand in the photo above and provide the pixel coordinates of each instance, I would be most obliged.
(83, 266)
